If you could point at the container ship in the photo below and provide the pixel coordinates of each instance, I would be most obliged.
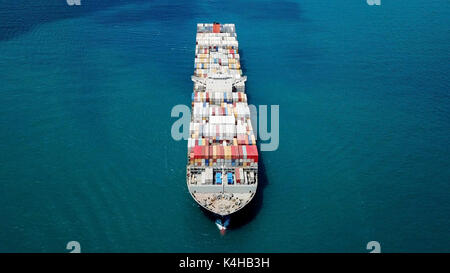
(222, 169)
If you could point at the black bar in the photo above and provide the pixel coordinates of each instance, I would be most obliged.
(222, 262)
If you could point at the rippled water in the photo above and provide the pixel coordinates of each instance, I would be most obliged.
(85, 146)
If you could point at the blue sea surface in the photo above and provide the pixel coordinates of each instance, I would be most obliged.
(86, 152)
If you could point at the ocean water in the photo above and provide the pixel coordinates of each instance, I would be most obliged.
(86, 153)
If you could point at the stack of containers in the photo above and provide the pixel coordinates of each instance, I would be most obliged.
(192, 142)
(242, 111)
(219, 178)
(200, 97)
(234, 66)
(202, 58)
(244, 133)
(219, 132)
(200, 155)
(227, 155)
(234, 155)
(248, 155)
(230, 178)
(195, 130)
(224, 43)
(220, 117)
(219, 98)
(202, 73)
(204, 28)
(228, 28)
(203, 178)
(208, 175)
(201, 49)
(240, 133)
(239, 97)
(202, 66)
(239, 174)
(225, 109)
(200, 111)
(218, 154)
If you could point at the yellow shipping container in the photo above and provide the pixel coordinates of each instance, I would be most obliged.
(227, 150)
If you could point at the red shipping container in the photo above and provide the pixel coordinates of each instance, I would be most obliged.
(252, 152)
(205, 152)
(234, 152)
(197, 152)
(238, 177)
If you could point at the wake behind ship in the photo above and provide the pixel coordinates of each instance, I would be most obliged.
(222, 170)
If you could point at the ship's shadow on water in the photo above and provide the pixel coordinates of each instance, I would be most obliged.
(250, 211)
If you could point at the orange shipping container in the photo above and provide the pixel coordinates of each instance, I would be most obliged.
(216, 28)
